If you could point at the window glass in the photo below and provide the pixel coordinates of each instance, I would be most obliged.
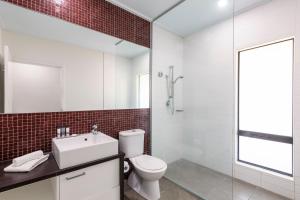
(265, 94)
(274, 155)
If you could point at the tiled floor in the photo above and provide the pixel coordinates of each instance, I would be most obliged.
(205, 183)
(212, 185)
(169, 191)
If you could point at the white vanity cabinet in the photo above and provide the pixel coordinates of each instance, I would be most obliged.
(92, 183)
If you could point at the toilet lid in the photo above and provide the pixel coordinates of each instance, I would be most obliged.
(149, 162)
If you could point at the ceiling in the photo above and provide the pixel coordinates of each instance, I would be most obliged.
(190, 15)
(24, 21)
(193, 15)
(186, 18)
(148, 9)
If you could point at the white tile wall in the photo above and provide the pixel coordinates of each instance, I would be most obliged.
(276, 183)
(167, 129)
(209, 97)
(247, 174)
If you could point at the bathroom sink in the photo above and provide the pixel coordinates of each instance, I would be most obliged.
(80, 149)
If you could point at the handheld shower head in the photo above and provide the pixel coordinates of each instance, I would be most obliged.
(179, 77)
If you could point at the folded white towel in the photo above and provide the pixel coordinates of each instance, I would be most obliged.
(28, 166)
(28, 157)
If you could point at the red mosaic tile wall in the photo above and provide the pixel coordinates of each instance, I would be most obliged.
(24, 133)
(98, 15)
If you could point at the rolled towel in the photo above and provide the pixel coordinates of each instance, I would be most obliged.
(126, 167)
(28, 166)
(28, 157)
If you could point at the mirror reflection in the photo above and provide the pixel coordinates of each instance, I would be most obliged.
(51, 65)
(127, 77)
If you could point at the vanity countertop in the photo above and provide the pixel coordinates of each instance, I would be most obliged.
(46, 170)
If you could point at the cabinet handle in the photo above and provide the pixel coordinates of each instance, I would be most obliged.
(76, 176)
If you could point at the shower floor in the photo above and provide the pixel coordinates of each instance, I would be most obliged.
(211, 185)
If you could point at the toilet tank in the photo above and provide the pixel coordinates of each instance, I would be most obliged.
(132, 142)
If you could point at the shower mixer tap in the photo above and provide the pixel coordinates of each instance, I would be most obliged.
(171, 89)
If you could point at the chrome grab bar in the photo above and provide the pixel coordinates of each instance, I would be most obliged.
(76, 176)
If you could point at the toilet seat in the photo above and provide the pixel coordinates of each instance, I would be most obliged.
(148, 163)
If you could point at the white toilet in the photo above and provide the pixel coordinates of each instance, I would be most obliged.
(144, 178)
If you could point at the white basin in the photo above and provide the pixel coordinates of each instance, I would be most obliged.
(83, 148)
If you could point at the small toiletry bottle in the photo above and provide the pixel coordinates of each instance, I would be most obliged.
(68, 131)
(63, 131)
(58, 132)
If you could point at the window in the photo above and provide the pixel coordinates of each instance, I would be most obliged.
(265, 108)
(144, 91)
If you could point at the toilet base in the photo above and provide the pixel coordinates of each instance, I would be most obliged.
(147, 189)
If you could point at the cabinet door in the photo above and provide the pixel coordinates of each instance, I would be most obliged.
(92, 183)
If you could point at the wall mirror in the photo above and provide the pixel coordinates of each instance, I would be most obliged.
(51, 65)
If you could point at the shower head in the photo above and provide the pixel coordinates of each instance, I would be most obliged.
(179, 77)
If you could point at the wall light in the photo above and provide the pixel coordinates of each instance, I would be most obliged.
(222, 3)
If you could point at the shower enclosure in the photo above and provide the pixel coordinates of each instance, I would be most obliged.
(195, 119)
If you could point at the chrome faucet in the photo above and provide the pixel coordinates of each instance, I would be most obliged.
(95, 129)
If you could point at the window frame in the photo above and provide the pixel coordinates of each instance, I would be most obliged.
(265, 136)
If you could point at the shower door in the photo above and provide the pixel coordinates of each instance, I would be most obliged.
(196, 39)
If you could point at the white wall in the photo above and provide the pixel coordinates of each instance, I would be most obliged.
(83, 68)
(257, 26)
(167, 129)
(208, 97)
(123, 86)
(8, 81)
(120, 80)
(140, 65)
(110, 80)
(34, 83)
